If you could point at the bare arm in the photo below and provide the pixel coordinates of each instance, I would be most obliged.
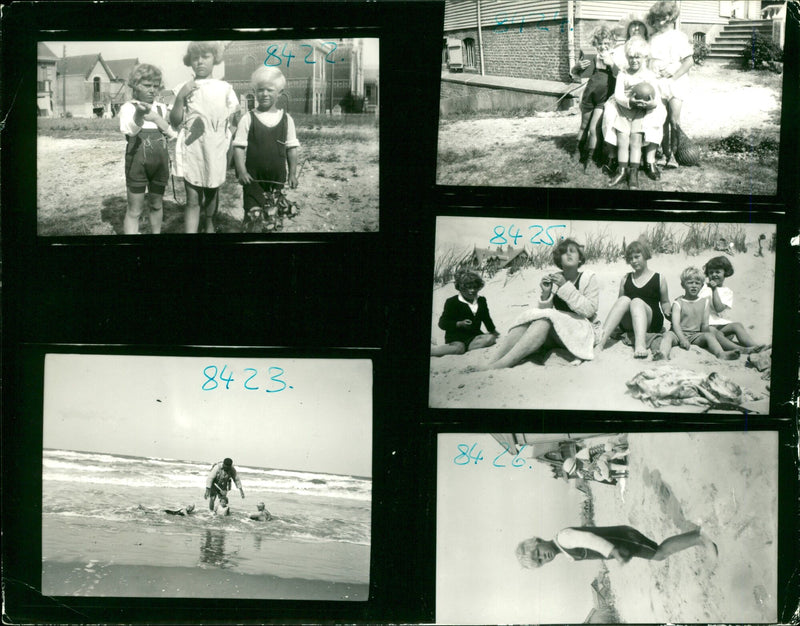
(665, 307)
(706, 314)
(291, 159)
(686, 65)
(239, 164)
(176, 115)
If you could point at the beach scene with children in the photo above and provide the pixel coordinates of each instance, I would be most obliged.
(245, 136)
(176, 488)
(663, 96)
(601, 315)
(685, 532)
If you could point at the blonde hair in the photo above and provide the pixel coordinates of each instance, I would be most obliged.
(637, 44)
(691, 272)
(523, 552)
(268, 74)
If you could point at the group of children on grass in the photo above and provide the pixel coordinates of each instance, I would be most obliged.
(699, 317)
(205, 121)
(634, 94)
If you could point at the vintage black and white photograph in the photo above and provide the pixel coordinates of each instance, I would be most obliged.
(602, 315)
(207, 477)
(243, 136)
(607, 528)
(634, 94)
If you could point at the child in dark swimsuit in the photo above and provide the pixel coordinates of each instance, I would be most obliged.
(598, 89)
(643, 299)
(607, 542)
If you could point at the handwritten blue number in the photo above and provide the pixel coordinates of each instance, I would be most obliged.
(498, 236)
(310, 52)
(544, 17)
(227, 380)
(329, 43)
(277, 379)
(211, 379)
(514, 237)
(517, 458)
(464, 451)
(505, 445)
(250, 369)
(499, 24)
(271, 53)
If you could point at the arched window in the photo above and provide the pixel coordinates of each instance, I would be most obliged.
(699, 38)
(249, 66)
(97, 84)
(469, 52)
(445, 56)
(251, 102)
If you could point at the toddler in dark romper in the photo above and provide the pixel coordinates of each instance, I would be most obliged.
(265, 151)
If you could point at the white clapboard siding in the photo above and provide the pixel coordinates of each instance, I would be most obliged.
(697, 11)
(463, 14)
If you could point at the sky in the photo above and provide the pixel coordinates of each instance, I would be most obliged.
(168, 55)
(483, 512)
(466, 232)
(154, 406)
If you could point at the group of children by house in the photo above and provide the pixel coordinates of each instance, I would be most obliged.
(635, 94)
(204, 122)
(699, 317)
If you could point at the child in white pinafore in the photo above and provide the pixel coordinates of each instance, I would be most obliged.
(204, 110)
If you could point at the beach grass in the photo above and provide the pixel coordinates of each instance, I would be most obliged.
(603, 247)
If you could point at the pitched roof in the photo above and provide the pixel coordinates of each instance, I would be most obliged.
(122, 67)
(82, 65)
(45, 53)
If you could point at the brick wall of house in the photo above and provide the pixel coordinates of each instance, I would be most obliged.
(536, 50)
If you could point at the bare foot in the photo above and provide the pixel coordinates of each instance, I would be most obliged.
(729, 355)
(640, 353)
(576, 362)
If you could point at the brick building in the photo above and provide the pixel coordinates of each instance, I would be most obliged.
(320, 76)
(540, 39)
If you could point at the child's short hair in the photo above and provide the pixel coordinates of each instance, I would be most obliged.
(637, 247)
(524, 555)
(639, 23)
(562, 247)
(600, 34)
(719, 263)
(466, 278)
(637, 45)
(691, 272)
(663, 10)
(268, 74)
(145, 71)
(198, 48)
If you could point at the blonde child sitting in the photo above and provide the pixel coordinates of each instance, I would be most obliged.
(690, 314)
(640, 120)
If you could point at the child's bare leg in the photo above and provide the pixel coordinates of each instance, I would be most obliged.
(675, 108)
(668, 340)
(613, 319)
(742, 336)
(650, 153)
(130, 225)
(594, 129)
(635, 159)
(712, 344)
(156, 213)
(192, 215)
(209, 209)
(641, 316)
(531, 340)
(677, 543)
(482, 341)
(726, 343)
(509, 341)
(454, 347)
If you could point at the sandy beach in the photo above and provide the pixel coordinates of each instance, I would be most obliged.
(153, 581)
(556, 383)
(725, 483)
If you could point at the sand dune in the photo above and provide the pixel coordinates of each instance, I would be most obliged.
(597, 384)
(727, 483)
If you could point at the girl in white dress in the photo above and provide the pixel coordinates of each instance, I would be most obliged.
(203, 110)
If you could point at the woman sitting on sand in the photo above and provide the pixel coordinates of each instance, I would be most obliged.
(565, 315)
(642, 303)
